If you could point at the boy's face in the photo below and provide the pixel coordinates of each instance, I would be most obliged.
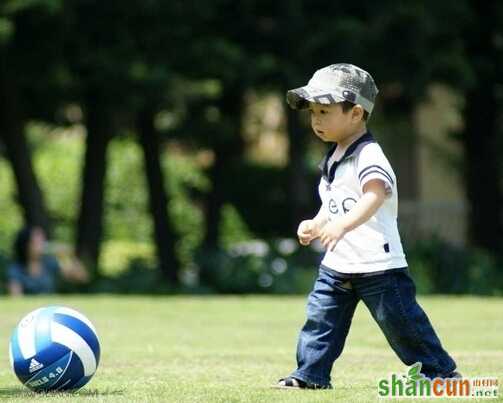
(331, 124)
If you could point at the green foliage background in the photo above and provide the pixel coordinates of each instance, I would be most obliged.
(195, 65)
(128, 258)
(57, 158)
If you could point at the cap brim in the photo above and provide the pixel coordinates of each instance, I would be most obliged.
(299, 98)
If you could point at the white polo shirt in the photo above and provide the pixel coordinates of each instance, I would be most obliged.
(375, 245)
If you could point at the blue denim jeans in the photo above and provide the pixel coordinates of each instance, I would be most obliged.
(391, 300)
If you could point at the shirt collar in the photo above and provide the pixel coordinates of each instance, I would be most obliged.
(329, 175)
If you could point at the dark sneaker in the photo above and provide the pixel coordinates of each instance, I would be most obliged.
(294, 383)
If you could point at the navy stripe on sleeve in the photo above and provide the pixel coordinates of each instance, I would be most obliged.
(374, 172)
(379, 169)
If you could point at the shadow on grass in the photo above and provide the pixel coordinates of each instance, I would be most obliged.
(24, 392)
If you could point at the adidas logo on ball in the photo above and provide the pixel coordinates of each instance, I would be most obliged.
(35, 365)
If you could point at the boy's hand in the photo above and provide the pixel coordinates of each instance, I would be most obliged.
(331, 233)
(307, 231)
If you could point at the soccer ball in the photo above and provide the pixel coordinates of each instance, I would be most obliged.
(54, 348)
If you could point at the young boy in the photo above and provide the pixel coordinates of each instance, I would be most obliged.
(357, 224)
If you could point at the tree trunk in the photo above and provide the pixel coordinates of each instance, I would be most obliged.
(407, 164)
(405, 145)
(299, 192)
(90, 220)
(481, 147)
(12, 134)
(215, 200)
(482, 133)
(228, 149)
(158, 198)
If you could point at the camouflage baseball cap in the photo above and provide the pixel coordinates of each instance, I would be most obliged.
(336, 83)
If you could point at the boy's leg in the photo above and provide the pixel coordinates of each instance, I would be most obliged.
(391, 299)
(330, 308)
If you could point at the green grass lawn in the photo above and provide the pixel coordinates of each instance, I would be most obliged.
(231, 349)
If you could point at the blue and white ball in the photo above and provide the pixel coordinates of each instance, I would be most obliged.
(54, 348)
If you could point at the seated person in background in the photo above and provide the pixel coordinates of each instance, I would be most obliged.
(34, 270)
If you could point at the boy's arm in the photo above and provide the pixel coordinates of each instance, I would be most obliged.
(374, 193)
(321, 218)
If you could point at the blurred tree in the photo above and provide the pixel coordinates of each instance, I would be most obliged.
(95, 61)
(12, 125)
(158, 196)
(89, 229)
(483, 131)
(120, 67)
(228, 149)
(298, 47)
(28, 82)
(219, 60)
(151, 78)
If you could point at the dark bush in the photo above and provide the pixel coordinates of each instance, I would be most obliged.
(442, 268)
(259, 267)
